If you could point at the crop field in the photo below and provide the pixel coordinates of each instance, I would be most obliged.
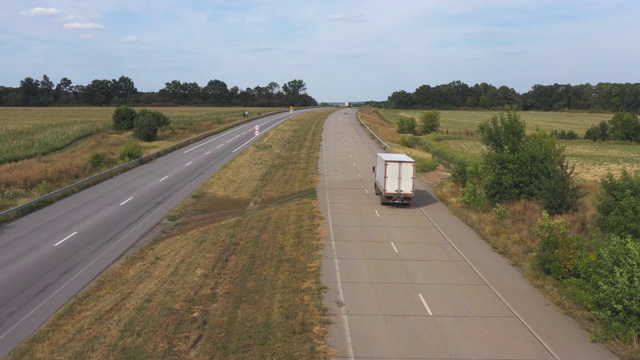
(30, 132)
(592, 160)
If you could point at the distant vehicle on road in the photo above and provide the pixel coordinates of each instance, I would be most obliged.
(394, 178)
(347, 103)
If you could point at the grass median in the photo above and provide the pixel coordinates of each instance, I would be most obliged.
(237, 277)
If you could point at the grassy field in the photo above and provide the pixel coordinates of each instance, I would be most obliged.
(235, 278)
(28, 132)
(592, 160)
(49, 148)
(460, 121)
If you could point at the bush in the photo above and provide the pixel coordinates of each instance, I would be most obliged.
(598, 132)
(407, 125)
(613, 286)
(472, 197)
(624, 126)
(559, 253)
(160, 118)
(124, 118)
(430, 122)
(618, 204)
(408, 141)
(559, 193)
(465, 172)
(146, 128)
(517, 167)
(98, 159)
(130, 151)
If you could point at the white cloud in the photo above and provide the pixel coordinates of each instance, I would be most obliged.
(87, 36)
(131, 38)
(39, 11)
(79, 25)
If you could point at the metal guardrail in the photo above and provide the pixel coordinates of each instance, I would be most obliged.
(127, 166)
(385, 145)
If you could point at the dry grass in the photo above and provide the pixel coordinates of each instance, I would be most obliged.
(247, 287)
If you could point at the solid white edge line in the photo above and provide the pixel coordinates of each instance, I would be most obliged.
(241, 146)
(343, 310)
(425, 304)
(278, 123)
(65, 239)
(394, 247)
(83, 270)
(504, 301)
(126, 201)
(164, 178)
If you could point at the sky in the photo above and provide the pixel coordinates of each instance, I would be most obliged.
(347, 50)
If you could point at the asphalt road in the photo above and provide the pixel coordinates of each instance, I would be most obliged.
(50, 255)
(417, 283)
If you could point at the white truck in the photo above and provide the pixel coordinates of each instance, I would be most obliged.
(394, 178)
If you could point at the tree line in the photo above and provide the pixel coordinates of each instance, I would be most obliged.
(613, 97)
(122, 91)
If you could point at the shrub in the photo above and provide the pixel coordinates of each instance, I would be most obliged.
(430, 122)
(618, 204)
(160, 118)
(559, 193)
(613, 286)
(559, 253)
(472, 197)
(98, 159)
(146, 128)
(407, 125)
(598, 132)
(624, 126)
(130, 151)
(408, 141)
(501, 212)
(124, 118)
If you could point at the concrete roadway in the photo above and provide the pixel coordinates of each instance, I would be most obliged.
(50, 255)
(417, 283)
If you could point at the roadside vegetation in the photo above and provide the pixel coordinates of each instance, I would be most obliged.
(236, 277)
(574, 236)
(43, 149)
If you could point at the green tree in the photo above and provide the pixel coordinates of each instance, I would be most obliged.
(519, 167)
(429, 122)
(624, 126)
(504, 133)
(124, 118)
(145, 128)
(614, 284)
(618, 204)
(559, 253)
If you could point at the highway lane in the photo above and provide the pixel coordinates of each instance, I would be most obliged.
(417, 283)
(50, 255)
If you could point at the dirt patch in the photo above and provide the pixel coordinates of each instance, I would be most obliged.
(436, 176)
